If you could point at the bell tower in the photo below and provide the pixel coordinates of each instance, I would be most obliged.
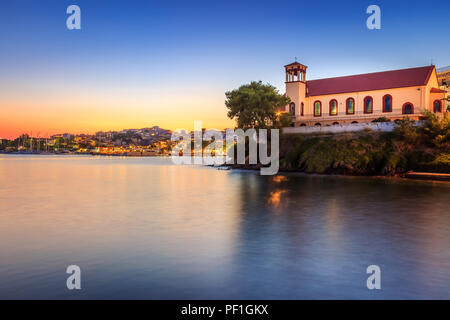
(296, 88)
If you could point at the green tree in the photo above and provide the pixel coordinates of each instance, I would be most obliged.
(254, 105)
(436, 131)
(285, 120)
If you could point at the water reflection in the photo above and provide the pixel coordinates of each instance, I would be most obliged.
(275, 197)
(144, 228)
(279, 178)
(331, 228)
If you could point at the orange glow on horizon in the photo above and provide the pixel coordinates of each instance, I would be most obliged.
(45, 118)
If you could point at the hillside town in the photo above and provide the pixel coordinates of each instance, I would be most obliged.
(130, 142)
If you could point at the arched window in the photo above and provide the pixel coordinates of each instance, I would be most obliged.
(333, 107)
(387, 103)
(408, 108)
(292, 108)
(354, 122)
(335, 123)
(317, 109)
(317, 124)
(437, 106)
(302, 106)
(350, 106)
(368, 105)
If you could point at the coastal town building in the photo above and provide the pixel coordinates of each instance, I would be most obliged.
(129, 142)
(362, 98)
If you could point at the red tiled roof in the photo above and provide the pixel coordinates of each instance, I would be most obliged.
(293, 64)
(436, 90)
(370, 81)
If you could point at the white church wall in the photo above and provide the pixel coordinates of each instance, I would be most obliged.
(376, 126)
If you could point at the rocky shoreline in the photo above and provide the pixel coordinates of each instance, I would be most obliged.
(431, 176)
(408, 149)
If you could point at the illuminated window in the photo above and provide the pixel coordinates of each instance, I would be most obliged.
(387, 103)
(437, 106)
(350, 106)
(368, 105)
(333, 108)
(317, 109)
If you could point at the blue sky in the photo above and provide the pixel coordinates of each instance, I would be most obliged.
(149, 57)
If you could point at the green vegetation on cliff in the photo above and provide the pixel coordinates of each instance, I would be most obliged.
(410, 146)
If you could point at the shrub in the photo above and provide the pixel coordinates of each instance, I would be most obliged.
(439, 165)
(285, 120)
(381, 119)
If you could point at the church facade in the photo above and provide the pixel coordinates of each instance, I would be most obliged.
(362, 98)
(443, 75)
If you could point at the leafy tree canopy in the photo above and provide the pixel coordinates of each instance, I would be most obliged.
(285, 120)
(254, 105)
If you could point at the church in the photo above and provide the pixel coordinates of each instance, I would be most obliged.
(362, 98)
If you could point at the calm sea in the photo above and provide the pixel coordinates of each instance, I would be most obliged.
(147, 229)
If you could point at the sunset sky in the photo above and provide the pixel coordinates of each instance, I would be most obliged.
(136, 64)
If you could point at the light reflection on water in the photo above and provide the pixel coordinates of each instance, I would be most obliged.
(144, 228)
